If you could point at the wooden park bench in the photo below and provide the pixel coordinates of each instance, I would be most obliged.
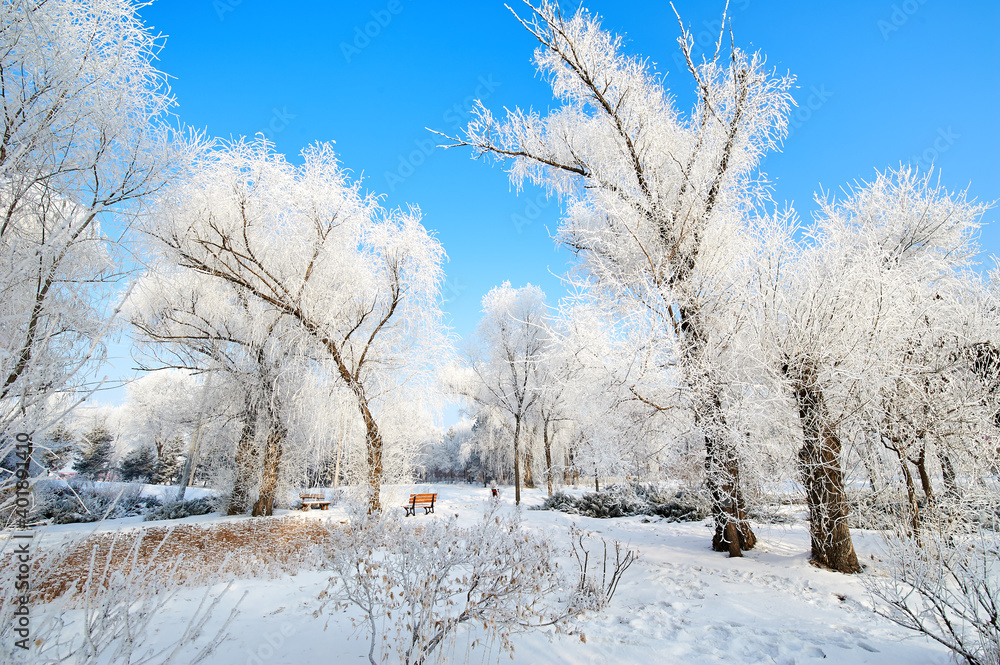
(425, 501)
(314, 501)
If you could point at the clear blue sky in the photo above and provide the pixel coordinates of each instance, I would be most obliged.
(879, 82)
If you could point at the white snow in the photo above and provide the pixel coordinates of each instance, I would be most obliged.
(681, 603)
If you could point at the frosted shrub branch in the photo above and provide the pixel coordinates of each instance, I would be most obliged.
(594, 594)
(947, 587)
(417, 586)
(106, 617)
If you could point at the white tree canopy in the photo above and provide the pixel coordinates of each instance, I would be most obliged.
(349, 286)
(85, 140)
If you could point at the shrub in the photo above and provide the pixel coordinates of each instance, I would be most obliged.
(110, 616)
(179, 509)
(138, 464)
(638, 499)
(98, 449)
(944, 584)
(81, 501)
(422, 584)
(595, 588)
(560, 501)
(616, 501)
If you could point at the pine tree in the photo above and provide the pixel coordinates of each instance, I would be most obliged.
(168, 466)
(95, 461)
(59, 448)
(138, 464)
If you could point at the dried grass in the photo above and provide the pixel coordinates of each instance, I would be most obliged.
(194, 554)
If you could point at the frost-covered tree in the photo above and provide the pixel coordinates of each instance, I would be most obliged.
(138, 464)
(169, 462)
(97, 453)
(505, 357)
(614, 387)
(356, 289)
(159, 406)
(190, 320)
(59, 447)
(85, 140)
(653, 195)
(857, 312)
(553, 411)
(441, 459)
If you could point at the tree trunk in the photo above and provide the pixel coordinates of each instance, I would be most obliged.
(247, 456)
(873, 483)
(571, 475)
(948, 475)
(925, 478)
(517, 462)
(911, 497)
(819, 463)
(336, 468)
(264, 506)
(373, 444)
(722, 476)
(722, 465)
(548, 456)
(529, 462)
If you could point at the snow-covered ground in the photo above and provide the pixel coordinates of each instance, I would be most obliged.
(681, 603)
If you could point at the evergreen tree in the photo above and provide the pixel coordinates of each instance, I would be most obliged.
(168, 467)
(98, 449)
(59, 448)
(139, 464)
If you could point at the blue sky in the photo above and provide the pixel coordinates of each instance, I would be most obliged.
(879, 83)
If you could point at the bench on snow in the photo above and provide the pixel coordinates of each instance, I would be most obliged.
(314, 501)
(425, 501)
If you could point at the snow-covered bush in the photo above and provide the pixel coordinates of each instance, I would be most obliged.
(679, 506)
(878, 512)
(945, 585)
(628, 500)
(81, 501)
(105, 617)
(615, 501)
(418, 585)
(565, 503)
(595, 593)
(179, 509)
(679, 511)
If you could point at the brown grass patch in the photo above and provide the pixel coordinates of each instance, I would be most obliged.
(191, 553)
